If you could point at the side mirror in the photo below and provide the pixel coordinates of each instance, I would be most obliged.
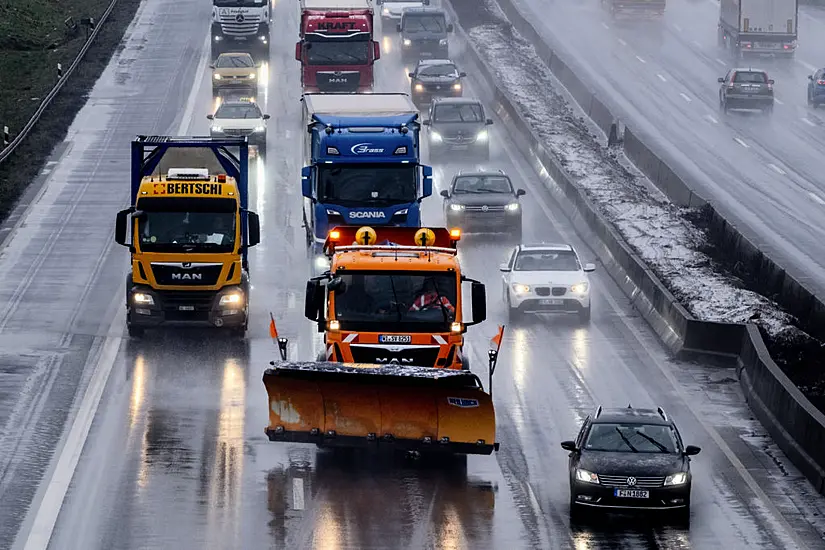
(314, 300)
(770, 81)
(504, 268)
(266, 117)
(254, 228)
(450, 27)
(297, 51)
(306, 181)
(569, 446)
(720, 79)
(122, 225)
(445, 193)
(210, 117)
(337, 285)
(428, 181)
(521, 193)
(411, 75)
(376, 51)
(212, 66)
(479, 297)
(426, 123)
(426, 2)
(398, 27)
(489, 121)
(462, 74)
(810, 77)
(588, 268)
(692, 450)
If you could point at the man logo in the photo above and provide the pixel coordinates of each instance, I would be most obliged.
(187, 276)
(337, 80)
(394, 360)
(362, 215)
(361, 148)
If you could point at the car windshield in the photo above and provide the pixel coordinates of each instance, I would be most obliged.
(439, 70)
(547, 260)
(463, 112)
(415, 301)
(755, 78)
(633, 438)
(246, 110)
(367, 184)
(234, 62)
(333, 52)
(431, 22)
(482, 184)
(194, 229)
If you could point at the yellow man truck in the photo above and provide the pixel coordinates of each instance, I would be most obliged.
(188, 233)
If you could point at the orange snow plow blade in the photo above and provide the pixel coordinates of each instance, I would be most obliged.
(408, 408)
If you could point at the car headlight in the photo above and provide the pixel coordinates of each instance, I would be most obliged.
(259, 129)
(442, 42)
(217, 76)
(676, 479)
(143, 298)
(512, 207)
(231, 299)
(579, 288)
(436, 137)
(456, 207)
(521, 289)
(419, 88)
(482, 136)
(217, 128)
(252, 75)
(457, 86)
(386, 11)
(587, 477)
(407, 42)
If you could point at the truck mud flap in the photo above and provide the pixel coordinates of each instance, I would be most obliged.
(407, 408)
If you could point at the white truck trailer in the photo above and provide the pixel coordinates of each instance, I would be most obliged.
(758, 27)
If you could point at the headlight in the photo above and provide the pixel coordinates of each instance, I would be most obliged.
(457, 86)
(676, 479)
(419, 88)
(482, 136)
(216, 76)
(579, 288)
(331, 212)
(321, 263)
(403, 212)
(512, 207)
(386, 11)
(231, 299)
(143, 298)
(521, 289)
(442, 42)
(407, 42)
(252, 75)
(587, 477)
(456, 207)
(217, 128)
(436, 137)
(259, 129)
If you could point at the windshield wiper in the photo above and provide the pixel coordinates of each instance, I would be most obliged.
(661, 447)
(395, 299)
(627, 441)
(438, 297)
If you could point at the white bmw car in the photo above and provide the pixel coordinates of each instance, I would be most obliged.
(546, 278)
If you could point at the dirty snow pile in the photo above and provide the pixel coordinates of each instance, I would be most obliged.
(658, 231)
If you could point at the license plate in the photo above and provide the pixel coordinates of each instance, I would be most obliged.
(395, 338)
(551, 302)
(631, 493)
(461, 147)
(240, 39)
(186, 308)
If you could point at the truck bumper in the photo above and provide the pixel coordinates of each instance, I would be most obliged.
(257, 42)
(149, 308)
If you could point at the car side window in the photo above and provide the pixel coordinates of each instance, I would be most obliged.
(580, 437)
(729, 76)
(512, 261)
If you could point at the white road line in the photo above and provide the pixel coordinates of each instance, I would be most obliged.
(742, 143)
(640, 59)
(721, 62)
(686, 98)
(817, 198)
(677, 27)
(297, 493)
(778, 102)
(710, 118)
(663, 79)
(605, 25)
(622, 42)
(808, 121)
(186, 121)
(698, 45)
(808, 66)
(776, 168)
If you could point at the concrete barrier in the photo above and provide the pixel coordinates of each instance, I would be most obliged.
(795, 424)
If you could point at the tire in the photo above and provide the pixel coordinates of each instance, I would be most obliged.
(584, 315)
(514, 314)
(577, 512)
(681, 517)
(135, 331)
(768, 111)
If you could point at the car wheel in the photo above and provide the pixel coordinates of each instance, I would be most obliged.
(682, 517)
(513, 313)
(135, 332)
(768, 110)
(584, 315)
(577, 512)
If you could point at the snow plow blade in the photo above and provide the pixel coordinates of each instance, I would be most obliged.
(406, 408)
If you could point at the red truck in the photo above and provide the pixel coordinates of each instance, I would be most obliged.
(337, 49)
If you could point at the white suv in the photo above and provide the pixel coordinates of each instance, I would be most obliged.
(546, 278)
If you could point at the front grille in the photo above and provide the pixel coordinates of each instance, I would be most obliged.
(416, 356)
(339, 81)
(236, 132)
(542, 291)
(641, 482)
(187, 274)
(460, 140)
(232, 27)
(484, 208)
(173, 301)
(559, 290)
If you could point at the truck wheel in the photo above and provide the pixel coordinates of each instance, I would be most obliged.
(135, 332)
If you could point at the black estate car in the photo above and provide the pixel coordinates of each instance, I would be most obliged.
(746, 89)
(435, 78)
(457, 125)
(484, 202)
(629, 459)
(424, 33)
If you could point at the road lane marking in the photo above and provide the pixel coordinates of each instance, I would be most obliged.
(742, 143)
(721, 62)
(778, 102)
(663, 79)
(808, 121)
(807, 65)
(698, 45)
(298, 493)
(817, 198)
(776, 168)
(685, 97)
(640, 59)
(622, 42)
(677, 27)
(186, 121)
(710, 118)
(605, 25)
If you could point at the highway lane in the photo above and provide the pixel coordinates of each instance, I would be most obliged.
(663, 75)
(177, 452)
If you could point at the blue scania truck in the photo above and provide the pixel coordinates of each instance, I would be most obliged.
(361, 163)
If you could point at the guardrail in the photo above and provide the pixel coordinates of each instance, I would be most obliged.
(63, 78)
(793, 422)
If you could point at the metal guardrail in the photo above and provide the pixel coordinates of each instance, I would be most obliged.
(18, 139)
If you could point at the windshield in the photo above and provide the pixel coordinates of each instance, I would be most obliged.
(247, 110)
(482, 184)
(417, 300)
(234, 62)
(433, 23)
(757, 78)
(366, 184)
(466, 112)
(239, 3)
(439, 70)
(547, 260)
(338, 53)
(633, 438)
(187, 231)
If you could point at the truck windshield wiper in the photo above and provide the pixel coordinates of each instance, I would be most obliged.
(627, 441)
(661, 447)
(438, 297)
(395, 299)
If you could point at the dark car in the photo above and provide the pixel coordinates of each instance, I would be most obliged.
(424, 34)
(457, 125)
(746, 89)
(435, 78)
(816, 88)
(629, 459)
(483, 202)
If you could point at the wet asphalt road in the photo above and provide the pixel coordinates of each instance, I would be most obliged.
(765, 173)
(176, 455)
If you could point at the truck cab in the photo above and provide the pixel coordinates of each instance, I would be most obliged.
(241, 25)
(188, 232)
(393, 295)
(391, 11)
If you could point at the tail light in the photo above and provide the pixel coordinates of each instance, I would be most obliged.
(746, 45)
(821, 82)
(730, 86)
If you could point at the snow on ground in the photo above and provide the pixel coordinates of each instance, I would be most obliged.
(660, 232)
